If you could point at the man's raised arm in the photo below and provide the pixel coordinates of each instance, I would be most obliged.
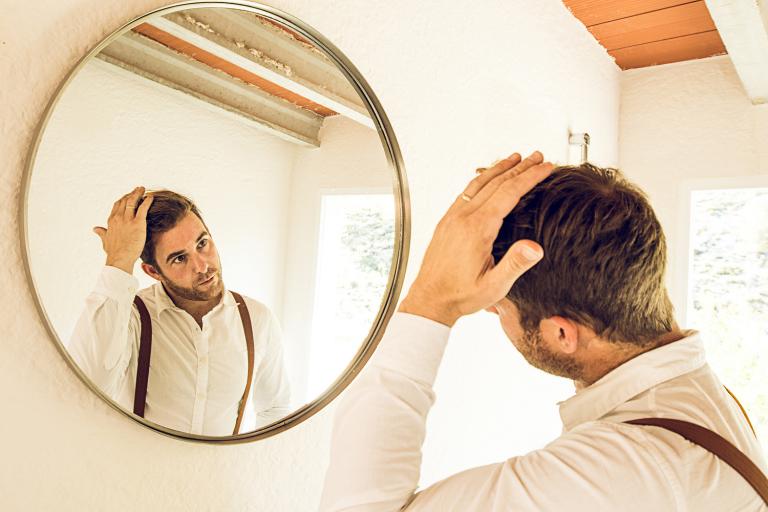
(380, 424)
(102, 340)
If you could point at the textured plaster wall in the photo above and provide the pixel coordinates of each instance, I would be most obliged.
(685, 122)
(463, 84)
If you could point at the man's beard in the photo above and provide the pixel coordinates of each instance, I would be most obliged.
(532, 347)
(195, 293)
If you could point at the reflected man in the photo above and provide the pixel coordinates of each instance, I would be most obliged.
(199, 374)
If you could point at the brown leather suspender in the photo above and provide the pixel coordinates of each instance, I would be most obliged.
(145, 350)
(716, 444)
(248, 329)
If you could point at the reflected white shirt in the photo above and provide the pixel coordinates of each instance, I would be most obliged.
(597, 464)
(197, 375)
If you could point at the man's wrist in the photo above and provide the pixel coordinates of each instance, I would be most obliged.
(415, 305)
(123, 265)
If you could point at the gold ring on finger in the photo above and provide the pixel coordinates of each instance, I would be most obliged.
(466, 197)
(480, 170)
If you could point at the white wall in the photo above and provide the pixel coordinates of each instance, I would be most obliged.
(682, 122)
(462, 86)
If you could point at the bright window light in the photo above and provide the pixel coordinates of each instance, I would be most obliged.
(355, 254)
(728, 291)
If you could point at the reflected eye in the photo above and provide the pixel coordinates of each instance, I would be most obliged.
(202, 243)
(179, 259)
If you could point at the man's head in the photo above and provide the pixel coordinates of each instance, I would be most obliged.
(179, 251)
(602, 274)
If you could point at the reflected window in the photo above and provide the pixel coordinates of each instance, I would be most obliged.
(728, 291)
(355, 244)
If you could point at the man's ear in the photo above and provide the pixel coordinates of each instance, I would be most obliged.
(562, 333)
(150, 271)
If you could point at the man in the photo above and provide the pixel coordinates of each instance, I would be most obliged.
(575, 273)
(198, 379)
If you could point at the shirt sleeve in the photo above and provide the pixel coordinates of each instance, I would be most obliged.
(107, 330)
(380, 423)
(270, 391)
(380, 427)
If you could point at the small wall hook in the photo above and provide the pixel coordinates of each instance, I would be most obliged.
(580, 139)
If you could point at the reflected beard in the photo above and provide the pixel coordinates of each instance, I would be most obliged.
(532, 347)
(196, 293)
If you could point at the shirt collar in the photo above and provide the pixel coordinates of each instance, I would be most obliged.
(163, 301)
(632, 378)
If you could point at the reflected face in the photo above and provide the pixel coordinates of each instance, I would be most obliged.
(187, 261)
(533, 345)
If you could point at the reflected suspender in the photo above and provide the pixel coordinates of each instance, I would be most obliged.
(145, 351)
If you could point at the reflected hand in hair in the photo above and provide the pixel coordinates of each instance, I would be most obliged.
(457, 275)
(126, 232)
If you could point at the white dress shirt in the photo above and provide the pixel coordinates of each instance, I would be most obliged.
(597, 464)
(197, 375)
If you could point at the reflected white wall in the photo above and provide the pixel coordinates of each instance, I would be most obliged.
(112, 131)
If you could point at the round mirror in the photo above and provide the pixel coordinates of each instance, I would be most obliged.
(215, 220)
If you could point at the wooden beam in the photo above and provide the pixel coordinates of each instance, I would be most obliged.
(216, 62)
(313, 93)
(743, 26)
(154, 61)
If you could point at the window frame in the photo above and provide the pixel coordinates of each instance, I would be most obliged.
(683, 265)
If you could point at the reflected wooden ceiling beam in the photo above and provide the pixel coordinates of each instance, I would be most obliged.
(269, 53)
(155, 61)
(216, 62)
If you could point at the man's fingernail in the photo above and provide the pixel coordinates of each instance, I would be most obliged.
(530, 253)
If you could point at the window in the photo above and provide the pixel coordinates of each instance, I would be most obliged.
(728, 291)
(355, 253)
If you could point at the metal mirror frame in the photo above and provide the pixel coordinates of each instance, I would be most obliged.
(402, 219)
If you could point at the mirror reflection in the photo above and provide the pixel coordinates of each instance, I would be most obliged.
(221, 206)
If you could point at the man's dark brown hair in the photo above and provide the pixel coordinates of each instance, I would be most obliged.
(167, 209)
(604, 255)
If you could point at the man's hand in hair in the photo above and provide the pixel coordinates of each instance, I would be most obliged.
(457, 275)
(123, 238)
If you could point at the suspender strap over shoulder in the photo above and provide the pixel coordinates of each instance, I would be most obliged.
(716, 444)
(145, 350)
(245, 317)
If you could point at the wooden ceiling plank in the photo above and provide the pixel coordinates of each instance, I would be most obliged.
(593, 12)
(681, 20)
(695, 46)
